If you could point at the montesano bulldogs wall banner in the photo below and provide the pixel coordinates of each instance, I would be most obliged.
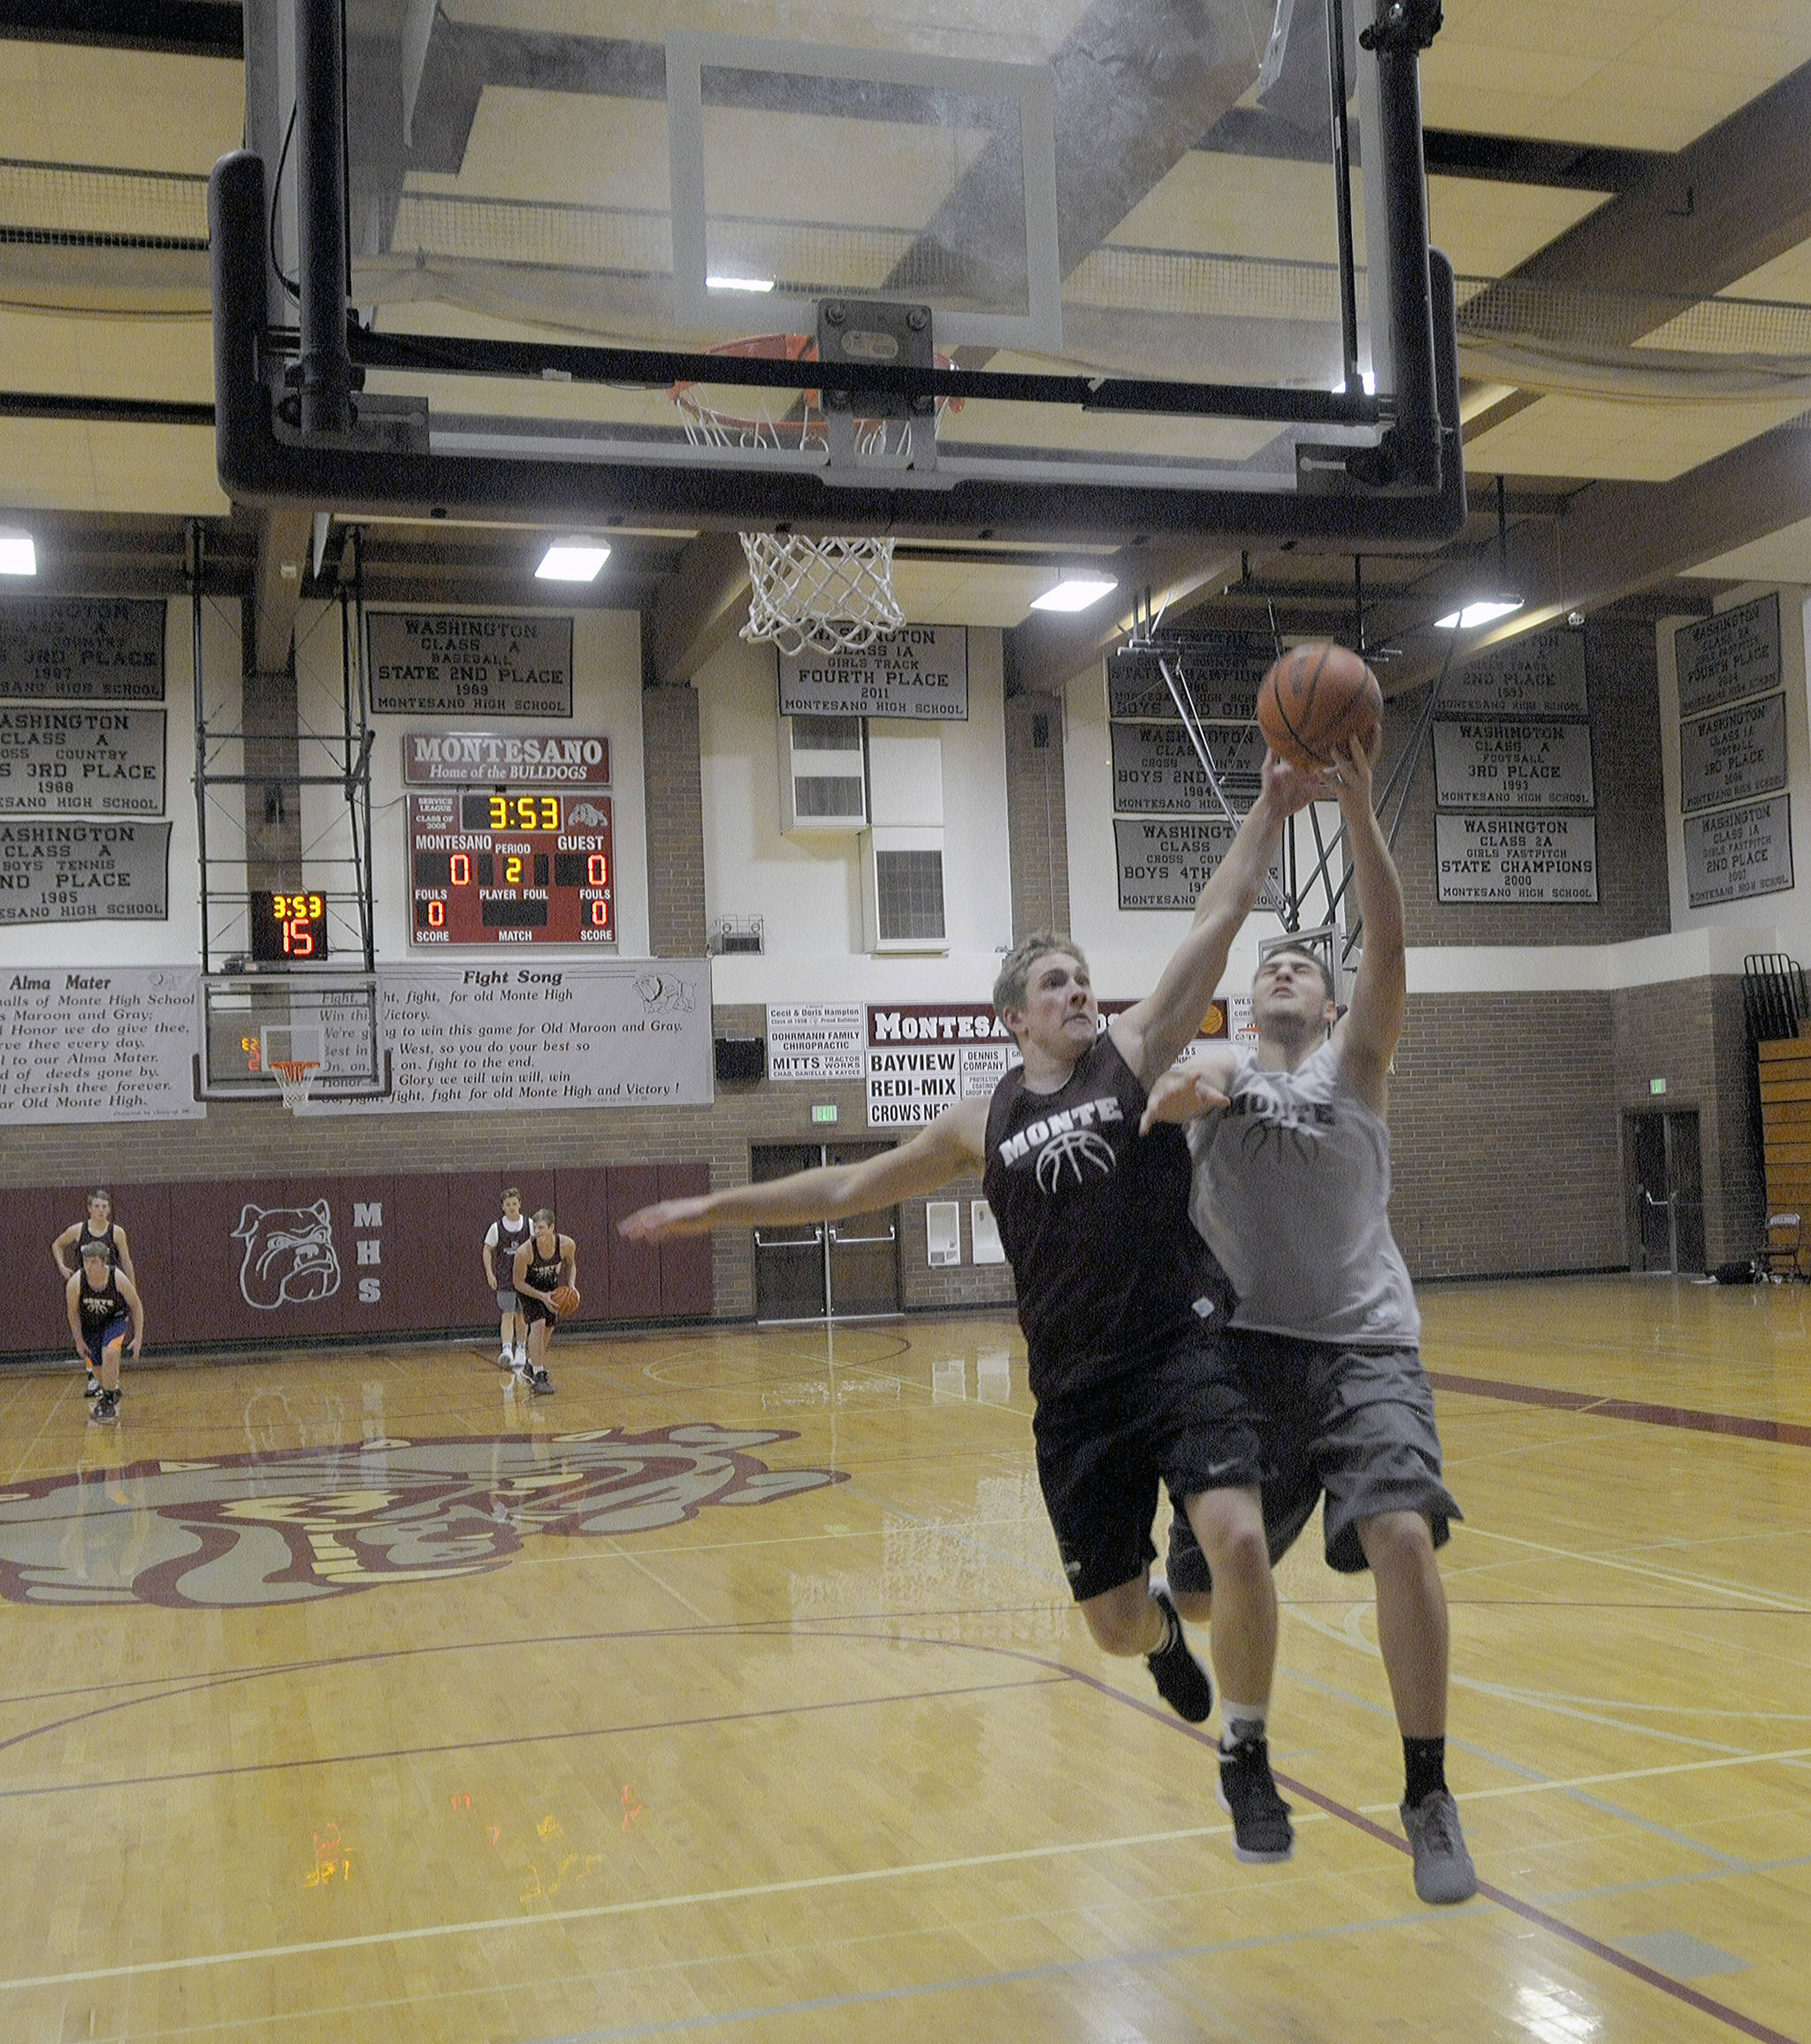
(436, 665)
(920, 672)
(81, 649)
(77, 762)
(492, 759)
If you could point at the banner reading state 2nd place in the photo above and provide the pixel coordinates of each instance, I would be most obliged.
(438, 664)
(919, 673)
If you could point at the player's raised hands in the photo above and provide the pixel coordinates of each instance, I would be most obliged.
(667, 1218)
(1352, 776)
(1291, 788)
(1179, 1095)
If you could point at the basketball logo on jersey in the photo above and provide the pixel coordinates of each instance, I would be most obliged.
(318, 1522)
(1274, 1122)
(289, 1255)
(1065, 1142)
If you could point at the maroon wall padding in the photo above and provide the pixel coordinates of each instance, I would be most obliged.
(424, 1272)
(686, 1291)
(635, 1267)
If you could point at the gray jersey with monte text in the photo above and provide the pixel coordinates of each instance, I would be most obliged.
(1291, 1191)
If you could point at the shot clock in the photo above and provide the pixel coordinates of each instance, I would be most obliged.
(513, 868)
(288, 928)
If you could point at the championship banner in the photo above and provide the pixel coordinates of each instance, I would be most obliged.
(1732, 754)
(70, 762)
(816, 1041)
(919, 673)
(84, 873)
(926, 1057)
(82, 649)
(491, 759)
(1522, 765)
(1724, 658)
(1732, 855)
(1540, 676)
(1166, 865)
(484, 1038)
(1155, 772)
(109, 1044)
(1222, 670)
(1523, 860)
(435, 665)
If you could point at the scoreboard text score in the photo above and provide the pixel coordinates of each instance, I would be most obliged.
(511, 869)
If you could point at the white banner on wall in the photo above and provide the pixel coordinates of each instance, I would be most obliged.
(1165, 865)
(1220, 672)
(106, 1043)
(1722, 658)
(1733, 754)
(924, 1058)
(1521, 859)
(920, 671)
(816, 1041)
(91, 649)
(481, 1037)
(1522, 765)
(53, 872)
(1734, 854)
(1540, 676)
(1155, 772)
(441, 664)
(58, 759)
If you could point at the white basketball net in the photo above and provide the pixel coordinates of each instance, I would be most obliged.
(295, 1080)
(836, 595)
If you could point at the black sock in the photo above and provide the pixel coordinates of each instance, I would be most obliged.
(1424, 1768)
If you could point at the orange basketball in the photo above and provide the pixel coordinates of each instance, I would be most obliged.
(565, 1298)
(1315, 700)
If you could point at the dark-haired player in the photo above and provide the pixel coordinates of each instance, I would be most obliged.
(105, 1311)
(547, 1260)
(506, 1234)
(97, 1226)
(1121, 1302)
(1292, 1186)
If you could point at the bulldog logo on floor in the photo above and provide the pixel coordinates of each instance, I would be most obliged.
(311, 1522)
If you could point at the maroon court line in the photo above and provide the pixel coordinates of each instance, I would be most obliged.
(1530, 1912)
(1786, 1432)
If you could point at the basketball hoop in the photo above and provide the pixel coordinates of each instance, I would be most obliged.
(296, 1078)
(835, 594)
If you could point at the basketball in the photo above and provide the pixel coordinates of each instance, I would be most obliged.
(565, 1301)
(1315, 700)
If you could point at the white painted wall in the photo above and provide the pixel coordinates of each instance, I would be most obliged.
(178, 941)
(808, 891)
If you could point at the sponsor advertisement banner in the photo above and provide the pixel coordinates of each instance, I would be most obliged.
(1722, 658)
(816, 1041)
(1521, 859)
(920, 672)
(1484, 765)
(1733, 854)
(52, 872)
(495, 758)
(438, 663)
(1732, 754)
(79, 762)
(109, 1043)
(925, 1057)
(82, 649)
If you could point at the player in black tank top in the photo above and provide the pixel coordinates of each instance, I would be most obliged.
(544, 1263)
(105, 1311)
(1120, 1303)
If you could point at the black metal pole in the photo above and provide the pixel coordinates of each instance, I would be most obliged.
(1404, 224)
(195, 543)
(1342, 193)
(320, 214)
(367, 900)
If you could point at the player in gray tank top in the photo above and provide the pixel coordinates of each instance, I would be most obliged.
(1291, 1190)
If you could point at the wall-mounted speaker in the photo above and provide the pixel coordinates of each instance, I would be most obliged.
(741, 1057)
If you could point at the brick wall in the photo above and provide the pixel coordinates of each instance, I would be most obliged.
(1631, 871)
(675, 903)
(1037, 821)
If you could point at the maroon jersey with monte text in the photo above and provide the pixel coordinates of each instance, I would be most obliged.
(1094, 1218)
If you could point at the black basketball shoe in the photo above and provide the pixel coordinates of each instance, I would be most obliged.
(1182, 1681)
(1262, 1833)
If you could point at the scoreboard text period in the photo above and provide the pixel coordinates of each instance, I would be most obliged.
(511, 868)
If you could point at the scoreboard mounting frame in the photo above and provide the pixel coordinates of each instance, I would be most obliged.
(511, 866)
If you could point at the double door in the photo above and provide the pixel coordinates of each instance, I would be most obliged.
(1667, 1186)
(846, 1269)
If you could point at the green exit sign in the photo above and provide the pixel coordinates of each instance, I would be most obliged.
(1656, 1086)
(827, 1113)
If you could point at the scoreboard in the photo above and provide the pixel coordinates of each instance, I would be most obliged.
(512, 868)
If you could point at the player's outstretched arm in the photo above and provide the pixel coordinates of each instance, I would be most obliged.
(1369, 1030)
(569, 1261)
(953, 1145)
(67, 1239)
(1152, 1035)
(1188, 1090)
(122, 1253)
(135, 1306)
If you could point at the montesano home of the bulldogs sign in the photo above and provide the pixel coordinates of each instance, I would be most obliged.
(489, 759)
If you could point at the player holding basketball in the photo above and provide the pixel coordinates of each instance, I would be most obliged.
(98, 1225)
(506, 1236)
(1292, 1186)
(105, 1309)
(1121, 1302)
(546, 1282)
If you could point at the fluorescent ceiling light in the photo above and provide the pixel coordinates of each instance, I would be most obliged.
(739, 283)
(1075, 593)
(572, 561)
(1486, 610)
(17, 555)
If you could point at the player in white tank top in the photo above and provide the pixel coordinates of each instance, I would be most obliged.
(1291, 1190)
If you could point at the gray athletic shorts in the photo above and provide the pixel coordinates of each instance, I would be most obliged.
(507, 1301)
(1355, 1423)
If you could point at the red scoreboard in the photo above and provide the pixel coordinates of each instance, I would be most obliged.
(513, 868)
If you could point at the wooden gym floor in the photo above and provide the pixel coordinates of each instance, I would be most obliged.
(349, 1694)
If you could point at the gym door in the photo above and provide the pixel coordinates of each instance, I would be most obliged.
(846, 1269)
(1667, 1190)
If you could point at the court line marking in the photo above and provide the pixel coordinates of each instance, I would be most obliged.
(1731, 1426)
(1680, 1578)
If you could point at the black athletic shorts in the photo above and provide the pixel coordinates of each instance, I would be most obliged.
(1355, 1422)
(1184, 1419)
(533, 1309)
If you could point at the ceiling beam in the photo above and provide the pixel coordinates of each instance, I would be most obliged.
(175, 27)
(701, 607)
(283, 541)
(1050, 649)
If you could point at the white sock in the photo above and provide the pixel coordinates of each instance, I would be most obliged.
(1241, 1721)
